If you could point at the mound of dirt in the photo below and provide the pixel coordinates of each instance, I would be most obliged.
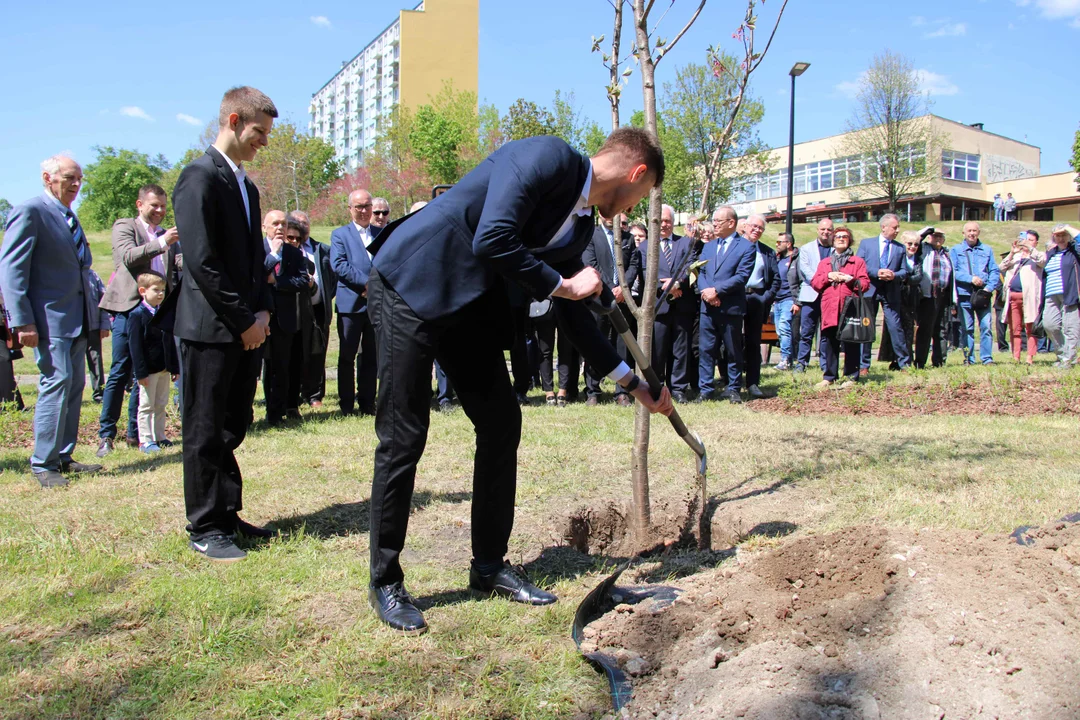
(862, 623)
(1012, 398)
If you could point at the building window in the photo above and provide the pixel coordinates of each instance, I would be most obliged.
(959, 166)
(1044, 215)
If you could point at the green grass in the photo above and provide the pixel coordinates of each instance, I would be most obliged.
(105, 612)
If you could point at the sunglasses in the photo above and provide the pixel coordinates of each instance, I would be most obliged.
(380, 212)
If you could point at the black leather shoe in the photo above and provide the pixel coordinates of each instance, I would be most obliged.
(78, 467)
(679, 397)
(50, 478)
(510, 582)
(396, 608)
(253, 531)
(731, 396)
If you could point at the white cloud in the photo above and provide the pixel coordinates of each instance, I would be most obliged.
(934, 84)
(947, 30)
(1055, 9)
(190, 120)
(321, 21)
(135, 112)
(918, 21)
(929, 82)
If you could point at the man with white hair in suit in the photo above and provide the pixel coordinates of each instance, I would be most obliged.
(45, 278)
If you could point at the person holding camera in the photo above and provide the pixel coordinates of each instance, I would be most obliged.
(1023, 269)
(977, 277)
(936, 293)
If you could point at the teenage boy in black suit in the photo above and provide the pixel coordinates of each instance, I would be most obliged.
(222, 317)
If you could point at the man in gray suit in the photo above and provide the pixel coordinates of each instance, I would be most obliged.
(806, 302)
(139, 245)
(44, 273)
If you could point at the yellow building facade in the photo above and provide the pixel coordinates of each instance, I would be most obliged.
(974, 166)
(407, 63)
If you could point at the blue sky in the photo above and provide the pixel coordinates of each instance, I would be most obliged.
(148, 77)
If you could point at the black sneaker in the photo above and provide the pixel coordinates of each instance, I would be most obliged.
(218, 548)
(511, 582)
(105, 446)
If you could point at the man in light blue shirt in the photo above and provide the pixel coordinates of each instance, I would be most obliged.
(975, 269)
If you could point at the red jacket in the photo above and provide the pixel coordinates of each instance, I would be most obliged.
(833, 295)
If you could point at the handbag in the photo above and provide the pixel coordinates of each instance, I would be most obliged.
(980, 297)
(857, 319)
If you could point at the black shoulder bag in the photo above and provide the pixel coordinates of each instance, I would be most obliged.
(857, 319)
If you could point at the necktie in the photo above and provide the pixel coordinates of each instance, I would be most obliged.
(77, 236)
(614, 260)
(667, 253)
(885, 256)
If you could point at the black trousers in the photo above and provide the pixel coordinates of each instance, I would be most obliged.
(283, 372)
(94, 365)
(830, 346)
(592, 380)
(931, 319)
(519, 352)
(569, 363)
(219, 389)
(470, 353)
(356, 335)
(543, 331)
(672, 353)
(313, 387)
(752, 322)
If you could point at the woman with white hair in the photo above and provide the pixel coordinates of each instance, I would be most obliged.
(1023, 270)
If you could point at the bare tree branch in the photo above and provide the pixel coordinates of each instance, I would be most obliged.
(660, 55)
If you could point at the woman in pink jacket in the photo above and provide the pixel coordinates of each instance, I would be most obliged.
(836, 278)
(1023, 270)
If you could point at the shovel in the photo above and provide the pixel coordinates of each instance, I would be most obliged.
(605, 305)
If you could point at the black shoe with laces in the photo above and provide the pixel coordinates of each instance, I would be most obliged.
(77, 467)
(510, 581)
(219, 548)
(396, 608)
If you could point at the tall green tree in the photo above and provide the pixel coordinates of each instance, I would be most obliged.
(593, 137)
(697, 106)
(526, 119)
(5, 210)
(293, 169)
(569, 121)
(446, 134)
(111, 184)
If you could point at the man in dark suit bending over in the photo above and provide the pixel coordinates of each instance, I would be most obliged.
(222, 319)
(438, 291)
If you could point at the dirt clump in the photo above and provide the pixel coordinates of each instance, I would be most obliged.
(863, 623)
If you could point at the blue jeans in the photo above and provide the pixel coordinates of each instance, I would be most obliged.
(62, 364)
(781, 312)
(120, 375)
(986, 340)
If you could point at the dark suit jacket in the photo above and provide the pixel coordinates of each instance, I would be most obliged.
(224, 278)
(326, 278)
(727, 274)
(290, 287)
(152, 349)
(680, 248)
(132, 252)
(492, 228)
(351, 264)
(598, 255)
(772, 272)
(870, 252)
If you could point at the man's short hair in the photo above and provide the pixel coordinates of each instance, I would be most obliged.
(149, 278)
(640, 226)
(1033, 233)
(889, 216)
(720, 212)
(247, 103)
(642, 145)
(152, 189)
(784, 236)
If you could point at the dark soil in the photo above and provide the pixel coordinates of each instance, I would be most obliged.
(863, 623)
(1011, 397)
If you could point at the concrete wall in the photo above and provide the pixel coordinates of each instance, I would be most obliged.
(437, 44)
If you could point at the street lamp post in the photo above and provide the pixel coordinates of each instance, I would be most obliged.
(796, 70)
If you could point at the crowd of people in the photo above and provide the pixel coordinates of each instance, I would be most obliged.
(232, 294)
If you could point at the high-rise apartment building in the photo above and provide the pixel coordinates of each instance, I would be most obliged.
(406, 63)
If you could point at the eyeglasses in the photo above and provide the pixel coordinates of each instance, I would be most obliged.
(380, 212)
(362, 207)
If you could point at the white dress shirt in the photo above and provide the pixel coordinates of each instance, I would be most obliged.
(309, 253)
(241, 175)
(365, 237)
